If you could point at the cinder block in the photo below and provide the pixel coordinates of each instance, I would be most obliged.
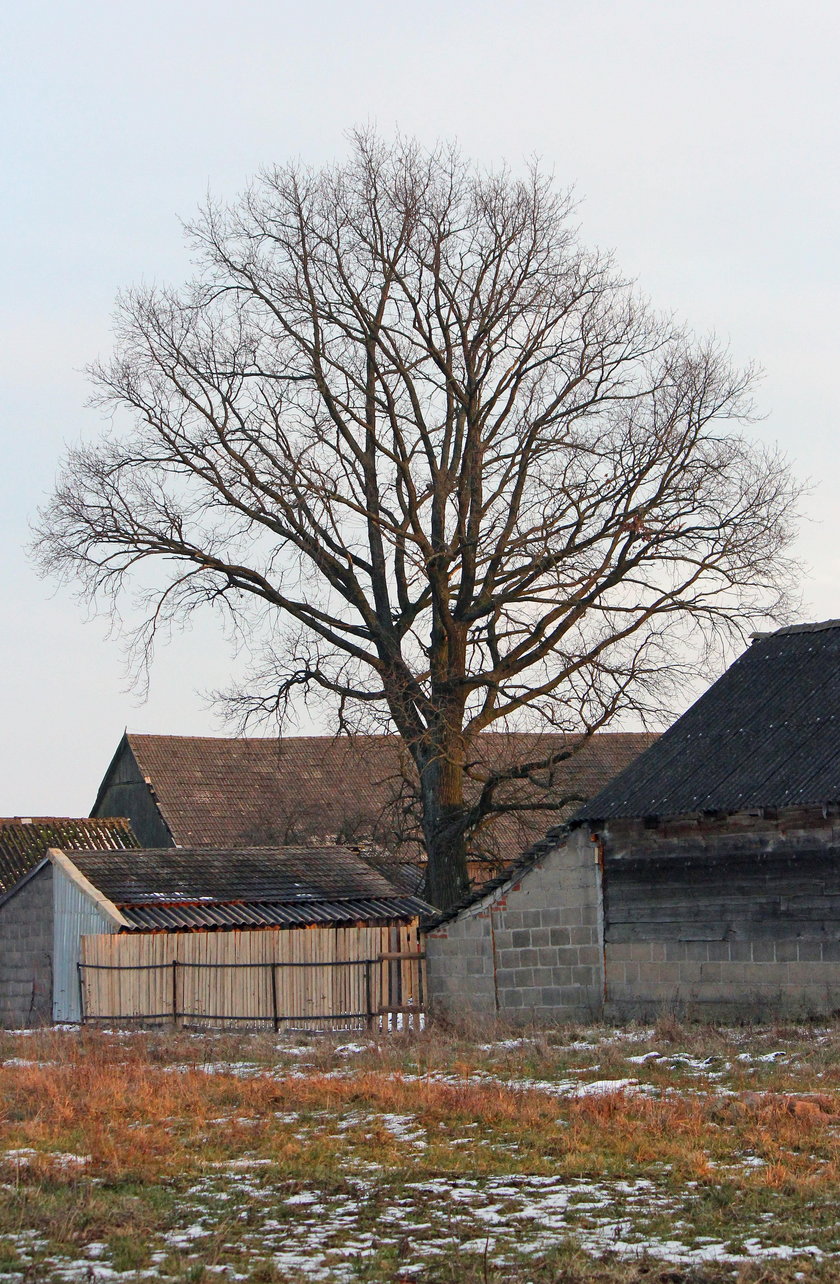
(764, 951)
(560, 936)
(807, 972)
(540, 936)
(675, 951)
(531, 918)
(637, 952)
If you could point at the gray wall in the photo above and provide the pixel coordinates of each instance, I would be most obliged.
(26, 953)
(124, 792)
(734, 918)
(529, 952)
(731, 919)
(75, 916)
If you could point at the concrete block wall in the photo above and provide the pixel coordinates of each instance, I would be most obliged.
(532, 951)
(26, 945)
(723, 980)
(723, 918)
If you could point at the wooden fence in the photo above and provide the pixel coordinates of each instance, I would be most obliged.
(299, 978)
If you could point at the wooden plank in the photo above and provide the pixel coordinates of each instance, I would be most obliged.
(321, 995)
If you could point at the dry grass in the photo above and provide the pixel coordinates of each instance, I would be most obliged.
(723, 1137)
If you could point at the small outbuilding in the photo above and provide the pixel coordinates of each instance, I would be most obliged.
(26, 936)
(262, 935)
(704, 879)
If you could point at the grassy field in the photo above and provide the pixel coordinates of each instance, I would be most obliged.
(675, 1154)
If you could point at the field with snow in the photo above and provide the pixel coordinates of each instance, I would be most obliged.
(673, 1154)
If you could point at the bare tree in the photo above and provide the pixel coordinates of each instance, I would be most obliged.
(464, 474)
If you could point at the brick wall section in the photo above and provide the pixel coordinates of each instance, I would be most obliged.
(26, 946)
(532, 951)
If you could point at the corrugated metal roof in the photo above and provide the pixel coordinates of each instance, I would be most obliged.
(248, 792)
(24, 841)
(172, 888)
(181, 917)
(766, 734)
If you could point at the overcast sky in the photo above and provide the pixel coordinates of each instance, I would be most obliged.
(702, 140)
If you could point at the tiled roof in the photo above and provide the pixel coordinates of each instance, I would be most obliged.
(174, 887)
(766, 734)
(24, 841)
(260, 791)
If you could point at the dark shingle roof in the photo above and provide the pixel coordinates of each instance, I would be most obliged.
(257, 887)
(766, 734)
(24, 841)
(215, 792)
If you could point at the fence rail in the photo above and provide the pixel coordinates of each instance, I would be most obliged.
(303, 978)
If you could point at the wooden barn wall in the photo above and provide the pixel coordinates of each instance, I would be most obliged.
(737, 920)
(126, 793)
(224, 979)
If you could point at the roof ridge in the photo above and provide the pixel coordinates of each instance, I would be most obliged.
(815, 626)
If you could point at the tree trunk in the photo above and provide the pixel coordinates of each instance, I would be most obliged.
(444, 813)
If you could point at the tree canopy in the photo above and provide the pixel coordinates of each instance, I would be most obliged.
(463, 474)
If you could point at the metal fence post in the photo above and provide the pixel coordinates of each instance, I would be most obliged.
(274, 1011)
(368, 995)
(174, 992)
(81, 994)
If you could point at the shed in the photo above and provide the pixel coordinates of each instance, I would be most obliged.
(721, 845)
(188, 791)
(26, 933)
(703, 879)
(211, 932)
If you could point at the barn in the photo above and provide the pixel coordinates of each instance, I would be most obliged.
(265, 936)
(26, 939)
(703, 879)
(188, 791)
(721, 847)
